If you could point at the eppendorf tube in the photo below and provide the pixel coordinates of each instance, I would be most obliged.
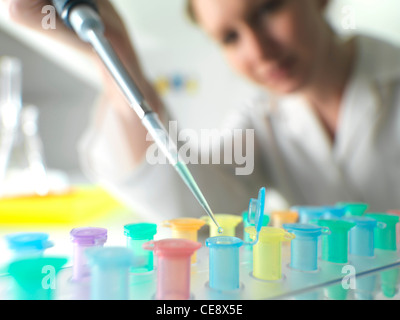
(335, 244)
(224, 262)
(385, 238)
(173, 267)
(185, 228)
(304, 248)
(83, 239)
(361, 237)
(361, 250)
(109, 267)
(138, 234)
(335, 252)
(267, 261)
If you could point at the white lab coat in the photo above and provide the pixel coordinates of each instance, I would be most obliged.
(292, 151)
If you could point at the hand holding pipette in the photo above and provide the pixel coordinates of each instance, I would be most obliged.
(32, 13)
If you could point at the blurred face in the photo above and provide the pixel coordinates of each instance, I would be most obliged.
(279, 44)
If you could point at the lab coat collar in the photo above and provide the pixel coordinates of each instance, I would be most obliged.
(314, 152)
(302, 124)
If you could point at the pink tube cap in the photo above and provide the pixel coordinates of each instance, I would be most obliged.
(172, 247)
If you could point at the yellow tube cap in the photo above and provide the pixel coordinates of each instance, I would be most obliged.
(184, 224)
(270, 234)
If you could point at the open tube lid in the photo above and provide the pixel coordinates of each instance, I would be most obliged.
(256, 213)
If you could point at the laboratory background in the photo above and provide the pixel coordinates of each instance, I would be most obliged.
(199, 89)
(187, 68)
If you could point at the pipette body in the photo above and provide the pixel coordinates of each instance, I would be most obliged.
(82, 17)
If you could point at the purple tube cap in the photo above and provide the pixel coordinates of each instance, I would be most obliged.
(89, 236)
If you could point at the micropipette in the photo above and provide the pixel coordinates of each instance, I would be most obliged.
(82, 16)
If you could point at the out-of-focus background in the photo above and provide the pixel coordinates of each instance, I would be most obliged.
(180, 60)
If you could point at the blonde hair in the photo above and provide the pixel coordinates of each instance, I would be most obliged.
(192, 15)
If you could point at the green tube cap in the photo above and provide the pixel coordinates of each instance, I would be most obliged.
(140, 231)
(353, 208)
(35, 278)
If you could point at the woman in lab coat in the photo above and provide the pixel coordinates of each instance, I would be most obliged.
(326, 127)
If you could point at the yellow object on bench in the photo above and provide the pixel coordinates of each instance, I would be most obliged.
(78, 205)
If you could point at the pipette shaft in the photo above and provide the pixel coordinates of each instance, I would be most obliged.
(82, 17)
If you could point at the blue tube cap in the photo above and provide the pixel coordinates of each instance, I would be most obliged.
(364, 222)
(308, 213)
(28, 241)
(334, 212)
(224, 242)
(304, 229)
